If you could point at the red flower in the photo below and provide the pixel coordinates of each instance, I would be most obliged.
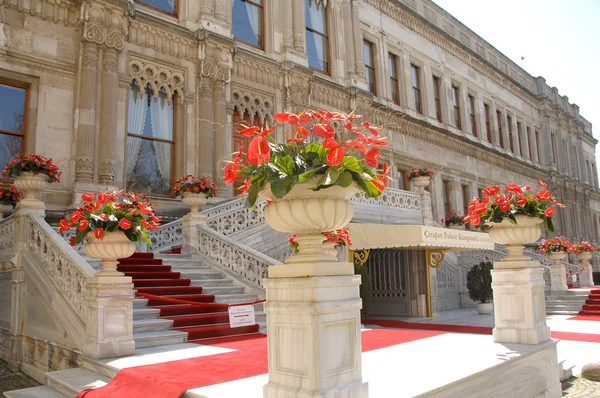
(294, 139)
(250, 131)
(246, 186)
(99, 233)
(64, 226)
(378, 184)
(491, 191)
(72, 241)
(102, 198)
(323, 131)
(87, 197)
(549, 212)
(475, 220)
(237, 156)
(542, 183)
(372, 129)
(514, 188)
(145, 209)
(330, 143)
(505, 207)
(231, 172)
(124, 223)
(258, 151)
(302, 131)
(372, 157)
(357, 145)
(521, 201)
(282, 117)
(83, 225)
(385, 177)
(543, 195)
(335, 156)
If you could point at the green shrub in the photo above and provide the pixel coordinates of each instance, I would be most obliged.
(479, 282)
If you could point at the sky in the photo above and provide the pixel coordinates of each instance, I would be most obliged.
(560, 40)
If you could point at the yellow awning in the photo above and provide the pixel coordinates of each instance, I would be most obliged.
(382, 236)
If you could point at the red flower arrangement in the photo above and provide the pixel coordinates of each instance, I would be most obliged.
(582, 247)
(555, 245)
(36, 164)
(117, 211)
(323, 155)
(194, 184)
(453, 219)
(9, 195)
(419, 172)
(341, 237)
(498, 205)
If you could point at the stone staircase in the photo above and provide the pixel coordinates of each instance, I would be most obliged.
(567, 302)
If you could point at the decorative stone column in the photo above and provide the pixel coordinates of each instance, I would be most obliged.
(86, 130)
(108, 118)
(287, 24)
(348, 43)
(426, 212)
(357, 39)
(222, 146)
(586, 277)
(205, 138)
(299, 15)
(558, 272)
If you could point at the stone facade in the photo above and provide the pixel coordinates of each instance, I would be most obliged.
(78, 59)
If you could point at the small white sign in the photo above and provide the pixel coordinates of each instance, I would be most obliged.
(242, 315)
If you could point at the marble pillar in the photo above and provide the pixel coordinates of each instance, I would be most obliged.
(357, 39)
(221, 146)
(205, 138)
(108, 118)
(299, 19)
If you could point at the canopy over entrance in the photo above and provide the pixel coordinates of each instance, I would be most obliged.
(386, 236)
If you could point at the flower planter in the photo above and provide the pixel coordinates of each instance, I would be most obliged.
(195, 201)
(485, 308)
(515, 236)
(557, 256)
(586, 276)
(421, 182)
(30, 184)
(109, 249)
(558, 272)
(4, 209)
(456, 227)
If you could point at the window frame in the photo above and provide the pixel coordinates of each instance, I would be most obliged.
(528, 133)
(417, 98)
(173, 143)
(262, 26)
(473, 115)
(328, 61)
(24, 133)
(173, 14)
(520, 138)
(511, 143)
(437, 97)
(500, 119)
(537, 144)
(447, 202)
(488, 122)
(394, 79)
(372, 67)
(456, 106)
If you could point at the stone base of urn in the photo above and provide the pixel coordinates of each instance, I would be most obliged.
(314, 337)
(586, 276)
(189, 227)
(558, 273)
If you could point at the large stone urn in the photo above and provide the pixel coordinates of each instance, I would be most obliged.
(586, 276)
(195, 201)
(558, 272)
(518, 284)
(30, 185)
(313, 303)
(426, 212)
(109, 249)
(456, 226)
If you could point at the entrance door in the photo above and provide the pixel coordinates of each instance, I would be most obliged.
(239, 140)
(390, 282)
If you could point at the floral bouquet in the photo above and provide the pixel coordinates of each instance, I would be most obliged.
(555, 245)
(9, 195)
(194, 184)
(316, 150)
(453, 219)
(118, 211)
(582, 247)
(36, 164)
(498, 205)
(419, 172)
(340, 237)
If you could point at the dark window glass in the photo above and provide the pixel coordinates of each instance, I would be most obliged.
(317, 41)
(415, 77)
(488, 126)
(472, 115)
(394, 83)
(520, 138)
(369, 66)
(168, 6)
(13, 119)
(437, 89)
(447, 193)
(500, 130)
(510, 134)
(537, 145)
(247, 18)
(456, 105)
(529, 142)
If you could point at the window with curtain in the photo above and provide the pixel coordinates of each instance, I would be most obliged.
(168, 6)
(150, 141)
(13, 120)
(369, 66)
(317, 40)
(415, 77)
(247, 21)
(456, 106)
(437, 97)
(394, 82)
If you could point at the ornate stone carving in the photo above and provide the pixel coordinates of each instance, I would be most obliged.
(256, 72)
(393, 198)
(106, 171)
(109, 65)
(90, 60)
(84, 164)
(166, 236)
(253, 104)
(65, 12)
(159, 76)
(103, 25)
(162, 41)
(205, 88)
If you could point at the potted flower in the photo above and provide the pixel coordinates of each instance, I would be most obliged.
(308, 178)
(479, 285)
(9, 196)
(420, 177)
(110, 224)
(195, 191)
(453, 220)
(556, 249)
(333, 240)
(583, 251)
(31, 173)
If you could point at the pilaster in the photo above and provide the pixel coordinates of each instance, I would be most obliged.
(299, 23)
(108, 118)
(359, 69)
(222, 140)
(206, 130)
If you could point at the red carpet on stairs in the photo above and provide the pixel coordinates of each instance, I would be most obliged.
(151, 276)
(172, 379)
(591, 309)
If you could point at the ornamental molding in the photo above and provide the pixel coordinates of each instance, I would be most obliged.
(158, 76)
(161, 40)
(65, 12)
(253, 104)
(103, 25)
(297, 86)
(256, 72)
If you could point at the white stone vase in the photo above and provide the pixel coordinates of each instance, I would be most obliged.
(421, 182)
(485, 308)
(456, 226)
(195, 201)
(586, 276)
(4, 209)
(109, 249)
(30, 184)
(516, 236)
(558, 272)
(308, 214)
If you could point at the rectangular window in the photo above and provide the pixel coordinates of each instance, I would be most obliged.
(401, 178)
(510, 134)
(520, 138)
(480, 194)
(394, 82)
(588, 170)
(537, 146)
(594, 175)
(317, 40)
(437, 96)
(247, 21)
(488, 125)
(500, 131)
(150, 142)
(415, 79)
(466, 192)
(13, 119)
(456, 105)
(529, 142)
(168, 6)
(472, 114)
(553, 142)
(370, 66)
(447, 193)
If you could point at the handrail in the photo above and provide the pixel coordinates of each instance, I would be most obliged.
(167, 235)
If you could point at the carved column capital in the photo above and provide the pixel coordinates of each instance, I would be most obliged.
(104, 26)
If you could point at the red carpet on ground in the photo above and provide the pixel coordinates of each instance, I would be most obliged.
(591, 308)
(172, 379)
(584, 318)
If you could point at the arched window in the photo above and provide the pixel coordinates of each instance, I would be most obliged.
(317, 39)
(150, 141)
(168, 6)
(248, 20)
(13, 119)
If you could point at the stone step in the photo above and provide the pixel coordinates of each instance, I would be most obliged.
(561, 312)
(71, 382)
(153, 339)
(145, 313)
(201, 274)
(565, 371)
(151, 325)
(236, 298)
(212, 282)
(140, 303)
(223, 290)
(34, 392)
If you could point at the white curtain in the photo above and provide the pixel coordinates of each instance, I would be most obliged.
(161, 114)
(254, 18)
(135, 125)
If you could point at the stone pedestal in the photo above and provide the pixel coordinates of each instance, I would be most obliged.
(314, 337)
(586, 276)
(109, 323)
(190, 237)
(558, 273)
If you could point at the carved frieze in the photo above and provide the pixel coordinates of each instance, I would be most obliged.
(159, 76)
(215, 61)
(256, 72)
(103, 25)
(162, 41)
(253, 104)
(65, 12)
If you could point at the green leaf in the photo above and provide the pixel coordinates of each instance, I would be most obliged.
(318, 149)
(373, 192)
(350, 163)
(549, 224)
(286, 164)
(309, 174)
(329, 177)
(253, 192)
(282, 186)
(512, 219)
(344, 180)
